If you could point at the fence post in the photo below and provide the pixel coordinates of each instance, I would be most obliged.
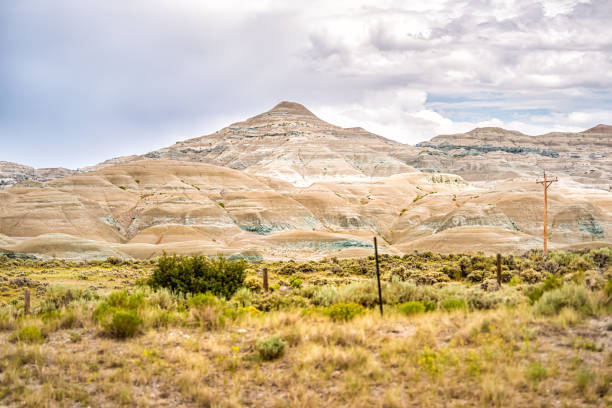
(499, 270)
(26, 301)
(380, 301)
(265, 279)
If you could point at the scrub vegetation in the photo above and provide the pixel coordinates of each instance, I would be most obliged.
(194, 331)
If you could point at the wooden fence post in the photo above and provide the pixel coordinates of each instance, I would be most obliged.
(380, 301)
(499, 270)
(26, 301)
(265, 279)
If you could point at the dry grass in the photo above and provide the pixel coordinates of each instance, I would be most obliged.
(503, 356)
(439, 359)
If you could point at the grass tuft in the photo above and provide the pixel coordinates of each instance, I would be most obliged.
(270, 348)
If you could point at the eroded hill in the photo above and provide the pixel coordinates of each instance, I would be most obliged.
(286, 184)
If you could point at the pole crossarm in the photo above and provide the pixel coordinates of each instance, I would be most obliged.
(548, 182)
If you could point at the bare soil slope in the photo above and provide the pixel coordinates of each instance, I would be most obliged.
(286, 184)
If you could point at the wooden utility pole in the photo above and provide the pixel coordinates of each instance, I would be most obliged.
(546, 182)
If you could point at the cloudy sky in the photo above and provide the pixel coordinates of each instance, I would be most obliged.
(84, 81)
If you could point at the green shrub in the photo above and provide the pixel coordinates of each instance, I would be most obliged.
(118, 315)
(608, 288)
(363, 293)
(430, 306)
(287, 269)
(243, 297)
(321, 295)
(465, 266)
(550, 283)
(270, 348)
(208, 310)
(344, 311)
(69, 320)
(530, 276)
(57, 297)
(295, 282)
(123, 324)
(412, 307)
(254, 283)
(121, 299)
(7, 317)
(113, 260)
(163, 299)
(27, 334)
(280, 301)
(583, 378)
(203, 299)
(516, 280)
(476, 276)
(571, 296)
(162, 318)
(452, 303)
(602, 256)
(198, 274)
(535, 373)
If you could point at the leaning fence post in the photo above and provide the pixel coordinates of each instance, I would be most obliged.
(380, 301)
(499, 269)
(26, 301)
(265, 279)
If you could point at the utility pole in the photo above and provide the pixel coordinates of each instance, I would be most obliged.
(546, 182)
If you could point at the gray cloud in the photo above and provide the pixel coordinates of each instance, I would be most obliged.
(82, 82)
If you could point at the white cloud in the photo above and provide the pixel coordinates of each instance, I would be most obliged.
(403, 116)
(131, 76)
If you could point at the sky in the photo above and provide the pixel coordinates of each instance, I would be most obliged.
(85, 81)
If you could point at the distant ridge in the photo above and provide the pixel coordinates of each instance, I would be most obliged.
(601, 128)
(290, 142)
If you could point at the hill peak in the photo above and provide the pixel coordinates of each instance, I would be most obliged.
(490, 129)
(292, 108)
(601, 128)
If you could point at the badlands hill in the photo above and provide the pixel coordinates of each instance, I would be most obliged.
(11, 173)
(486, 154)
(285, 184)
(290, 143)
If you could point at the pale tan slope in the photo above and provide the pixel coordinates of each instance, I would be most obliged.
(6, 241)
(372, 205)
(144, 208)
(28, 212)
(472, 240)
(409, 211)
(575, 215)
(133, 197)
(150, 206)
(66, 246)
